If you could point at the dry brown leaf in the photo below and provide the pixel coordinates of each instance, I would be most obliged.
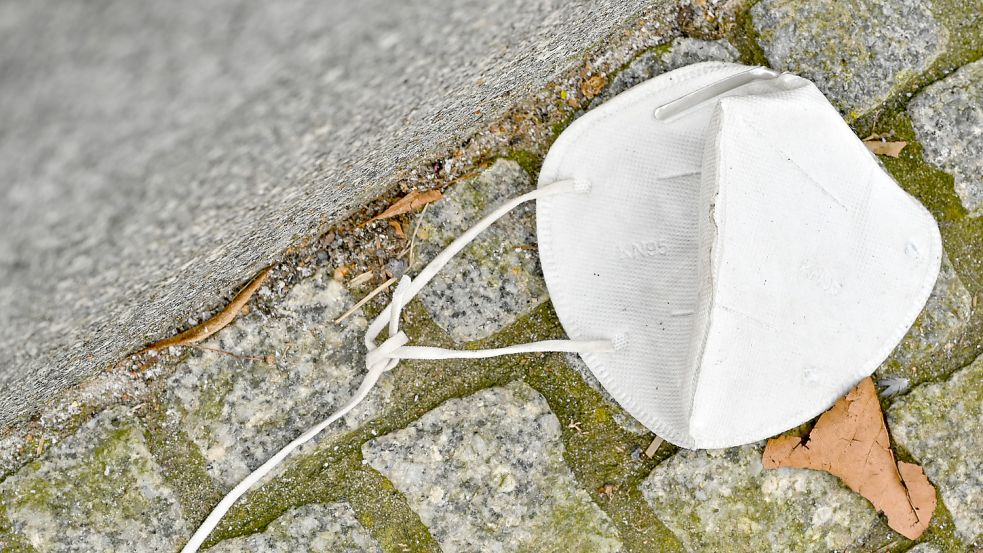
(882, 148)
(397, 229)
(850, 441)
(341, 272)
(593, 86)
(408, 203)
(217, 322)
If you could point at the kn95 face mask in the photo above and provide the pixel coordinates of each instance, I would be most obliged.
(723, 252)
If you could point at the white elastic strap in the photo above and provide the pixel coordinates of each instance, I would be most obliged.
(241, 488)
(570, 346)
(387, 355)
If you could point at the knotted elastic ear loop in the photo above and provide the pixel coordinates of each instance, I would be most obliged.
(387, 355)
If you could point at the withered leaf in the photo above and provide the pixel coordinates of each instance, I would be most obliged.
(341, 272)
(397, 229)
(592, 87)
(882, 148)
(215, 323)
(408, 203)
(850, 441)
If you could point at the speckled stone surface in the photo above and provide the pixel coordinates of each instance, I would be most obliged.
(621, 416)
(486, 473)
(682, 51)
(948, 119)
(944, 317)
(98, 491)
(856, 51)
(315, 528)
(497, 277)
(714, 499)
(941, 425)
(241, 410)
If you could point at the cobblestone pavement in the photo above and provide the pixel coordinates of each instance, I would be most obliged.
(527, 452)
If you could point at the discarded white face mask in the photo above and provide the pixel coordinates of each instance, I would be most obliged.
(726, 256)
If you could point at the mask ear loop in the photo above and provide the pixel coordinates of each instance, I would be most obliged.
(387, 355)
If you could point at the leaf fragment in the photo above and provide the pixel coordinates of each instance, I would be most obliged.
(215, 323)
(397, 229)
(593, 86)
(341, 272)
(408, 203)
(850, 441)
(883, 148)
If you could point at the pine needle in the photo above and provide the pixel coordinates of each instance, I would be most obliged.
(382, 288)
(217, 322)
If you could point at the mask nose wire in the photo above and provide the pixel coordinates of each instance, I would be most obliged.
(681, 105)
(385, 356)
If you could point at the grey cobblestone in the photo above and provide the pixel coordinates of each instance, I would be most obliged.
(856, 51)
(486, 473)
(948, 118)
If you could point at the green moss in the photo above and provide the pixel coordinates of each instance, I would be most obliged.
(962, 235)
(38, 494)
(183, 466)
(384, 512)
(9, 541)
(213, 394)
(530, 162)
(100, 484)
(600, 453)
(940, 533)
(744, 37)
(963, 25)
(572, 526)
(559, 127)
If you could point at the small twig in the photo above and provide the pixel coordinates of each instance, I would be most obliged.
(223, 352)
(416, 227)
(653, 447)
(361, 279)
(382, 287)
(217, 322)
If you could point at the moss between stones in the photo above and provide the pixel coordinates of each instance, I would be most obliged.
(183, 467)
(530, 162)
(964, 24)
(10, 542)
(383, 510)
(602, 455)
(744, 37)
(962, 235)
